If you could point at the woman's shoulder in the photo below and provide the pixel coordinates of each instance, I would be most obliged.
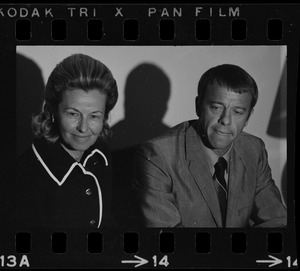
(27, 162)
(26, 167)
(102, 146)
(26, 157)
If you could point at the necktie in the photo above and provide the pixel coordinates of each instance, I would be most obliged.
(221, 187)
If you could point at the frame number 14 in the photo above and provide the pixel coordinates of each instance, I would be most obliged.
(164, 261)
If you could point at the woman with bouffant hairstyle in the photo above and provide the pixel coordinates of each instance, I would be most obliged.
(64, 179)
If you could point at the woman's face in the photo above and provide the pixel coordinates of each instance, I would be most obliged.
(80, 118)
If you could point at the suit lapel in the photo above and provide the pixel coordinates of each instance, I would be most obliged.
(199, 169)
(235, 183)
(239, 179)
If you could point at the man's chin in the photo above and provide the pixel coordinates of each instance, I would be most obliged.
(221, 148)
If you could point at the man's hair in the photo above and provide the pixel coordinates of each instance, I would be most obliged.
(77, 71)
(230, 76)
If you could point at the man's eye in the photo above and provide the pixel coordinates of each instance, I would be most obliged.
(214, 107)
(238, 112)
(72, 114)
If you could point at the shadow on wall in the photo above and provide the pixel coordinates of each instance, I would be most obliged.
(147, 91)
(277, 124)
(30, 86)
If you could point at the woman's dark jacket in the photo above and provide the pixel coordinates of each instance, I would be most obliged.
(56, 191)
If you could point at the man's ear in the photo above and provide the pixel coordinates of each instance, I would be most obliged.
(197, 106)
(252, 110)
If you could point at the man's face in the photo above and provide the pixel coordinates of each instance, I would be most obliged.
(223, 114)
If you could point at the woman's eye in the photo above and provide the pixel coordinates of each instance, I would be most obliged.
(96, 117)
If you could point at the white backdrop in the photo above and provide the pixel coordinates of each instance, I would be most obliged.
(184, 65)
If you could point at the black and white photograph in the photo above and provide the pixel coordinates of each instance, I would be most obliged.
(159, 137)
(148, 136)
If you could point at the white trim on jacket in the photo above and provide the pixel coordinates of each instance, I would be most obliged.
(86, 172)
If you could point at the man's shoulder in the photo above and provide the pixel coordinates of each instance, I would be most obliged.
(169, 142)
(175, 133)
(249, 144)
(245, 137)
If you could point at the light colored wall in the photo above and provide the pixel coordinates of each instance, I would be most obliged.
(184, 65)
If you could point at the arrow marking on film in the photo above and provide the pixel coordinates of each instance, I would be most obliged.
(139, 262)
(273, 262)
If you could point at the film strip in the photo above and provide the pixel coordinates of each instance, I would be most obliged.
(178, 38)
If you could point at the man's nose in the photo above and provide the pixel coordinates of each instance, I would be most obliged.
(225, 118)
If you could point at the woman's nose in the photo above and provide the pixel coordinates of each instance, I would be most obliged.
(82, 125)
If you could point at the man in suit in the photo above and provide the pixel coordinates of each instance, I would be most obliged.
(208, 172)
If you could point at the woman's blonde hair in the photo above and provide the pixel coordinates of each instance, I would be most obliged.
(77, 71)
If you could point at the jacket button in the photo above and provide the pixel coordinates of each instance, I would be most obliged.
(92, 222)
(88, 191)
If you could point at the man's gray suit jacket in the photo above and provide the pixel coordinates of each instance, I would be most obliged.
(175, 189)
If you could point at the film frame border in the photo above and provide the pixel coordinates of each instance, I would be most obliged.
(76, 33)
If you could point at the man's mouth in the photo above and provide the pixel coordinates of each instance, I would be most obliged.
(223, 133)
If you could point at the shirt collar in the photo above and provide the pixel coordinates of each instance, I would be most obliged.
(59, 164)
